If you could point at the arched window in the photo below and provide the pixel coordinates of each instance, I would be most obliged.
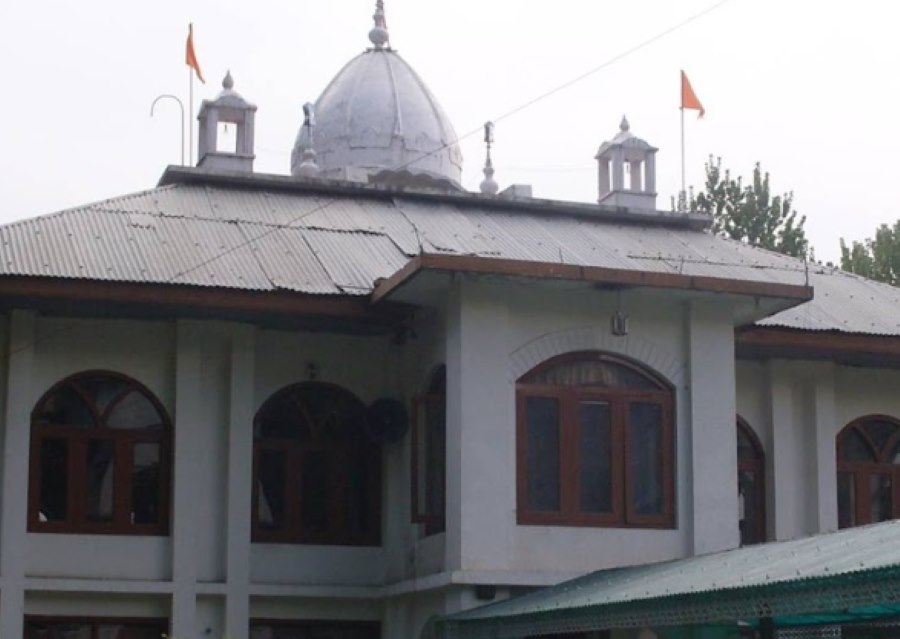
(100, 450)
(429, 454)
(751, 485)
(595, 444)
(868, 465)
(317, 475)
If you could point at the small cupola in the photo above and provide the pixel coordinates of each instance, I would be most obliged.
(627, 171)
(229, 108)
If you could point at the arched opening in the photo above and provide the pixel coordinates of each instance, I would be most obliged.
(316, 475)
(868, 470)
(595, 439)
(751, 485)
(100, 450)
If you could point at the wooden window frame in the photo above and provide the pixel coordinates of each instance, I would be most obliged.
(77, 440)
(623, 514)
(294, 451)
(863, 471)
(162, 624)
(433, 522)
(758, 468)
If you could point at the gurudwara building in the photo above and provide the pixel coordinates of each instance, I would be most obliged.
(350, 401)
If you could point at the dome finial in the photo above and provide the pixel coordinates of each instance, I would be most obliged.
(623, 125)
(379, 34)
(489, 185)
(308, 167)
(228, 81)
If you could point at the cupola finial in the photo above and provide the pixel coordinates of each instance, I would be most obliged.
(379, 34)
(489, 185)
(623, 125)
(228, 81)
(308, 167)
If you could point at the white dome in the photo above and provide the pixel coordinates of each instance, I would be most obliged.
(377, 115)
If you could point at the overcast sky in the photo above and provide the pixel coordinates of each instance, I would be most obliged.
(809, 89)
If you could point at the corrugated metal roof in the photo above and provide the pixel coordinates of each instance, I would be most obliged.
(262, 239)
(771, 570)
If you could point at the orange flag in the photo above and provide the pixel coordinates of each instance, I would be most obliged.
(689, 99)
(190, 58)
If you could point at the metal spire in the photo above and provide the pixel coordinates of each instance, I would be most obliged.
(489, 185)
(379, 34)
(308, 168)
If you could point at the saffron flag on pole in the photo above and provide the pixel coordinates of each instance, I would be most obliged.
(190, 58)
(689, 99)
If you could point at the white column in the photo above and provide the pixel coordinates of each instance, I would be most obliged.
(713, 435)
(240, 480)
(14, 511)
(618, 170)
(188, 449)
(481, 444)
(825, 429)
(784, 478)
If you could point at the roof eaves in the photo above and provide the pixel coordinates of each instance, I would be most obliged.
(592, 274)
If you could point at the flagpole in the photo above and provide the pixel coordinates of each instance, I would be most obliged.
(683, 187)
(190, 117)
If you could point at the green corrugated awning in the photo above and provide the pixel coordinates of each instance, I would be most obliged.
(844, 577)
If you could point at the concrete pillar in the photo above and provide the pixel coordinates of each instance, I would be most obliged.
(714, 508)
(618, 169)
(240, 481)
(480, 422)
(603, 176)
(188, 449)
(14, 509)
(824, 431)
(650, 173)
(788, 494)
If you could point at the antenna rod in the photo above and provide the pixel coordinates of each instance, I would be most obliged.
(169, 96)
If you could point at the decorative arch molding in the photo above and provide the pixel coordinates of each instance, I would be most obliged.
(592, 338)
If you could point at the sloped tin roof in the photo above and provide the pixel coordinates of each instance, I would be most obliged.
(849, 575)
(333, 243)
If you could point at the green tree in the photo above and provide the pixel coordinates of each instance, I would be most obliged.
(749, 213)
(877, 258)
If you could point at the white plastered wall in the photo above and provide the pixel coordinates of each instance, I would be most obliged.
(797, 409)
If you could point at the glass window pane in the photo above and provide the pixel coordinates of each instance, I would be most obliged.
(64, 407)
(881, 497)
(145, 486)
(100, 465)
(542, 453)
(271, 485)
(316, 493)
(645, 457)
(356, 499)
(595, 456)
(435, 445)
(101, 390)
(133, 412)
(750, 503)
(846, 500)
(282, 418)
(54, 480)
(747, 451)
(854, 447)
(879, 431)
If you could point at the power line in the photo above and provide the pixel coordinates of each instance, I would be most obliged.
(525, 105)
